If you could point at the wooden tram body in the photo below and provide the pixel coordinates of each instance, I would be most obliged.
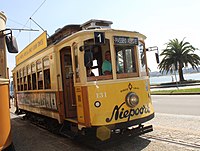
(51, 79)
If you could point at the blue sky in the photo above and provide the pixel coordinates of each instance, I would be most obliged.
(159, 20)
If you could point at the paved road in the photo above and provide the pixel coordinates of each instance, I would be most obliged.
(177, 104)
(28, 137)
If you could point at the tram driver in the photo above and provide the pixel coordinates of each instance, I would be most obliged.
(107, 66)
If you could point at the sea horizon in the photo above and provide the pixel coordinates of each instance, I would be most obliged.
(173, 78)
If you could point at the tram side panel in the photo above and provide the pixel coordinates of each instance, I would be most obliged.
(46, 101)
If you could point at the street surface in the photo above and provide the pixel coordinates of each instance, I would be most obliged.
(177, 104)
(173, 130)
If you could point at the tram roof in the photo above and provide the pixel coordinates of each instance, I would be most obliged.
(91, 25)
(69, 31)
(61, 35)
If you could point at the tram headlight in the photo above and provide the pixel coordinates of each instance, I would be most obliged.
(132, 99)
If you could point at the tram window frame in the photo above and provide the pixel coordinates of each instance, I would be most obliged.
(76, 62)
(21, 80)
(17, 74)
(40, 75)
(142, 58)
(40, 79)
(29, 78)
(125, 71)
(25, 78)
(33, 77)
(97, 51)
(46, 70)
(18, 83)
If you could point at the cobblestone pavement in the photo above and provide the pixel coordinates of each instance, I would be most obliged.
(183, 129)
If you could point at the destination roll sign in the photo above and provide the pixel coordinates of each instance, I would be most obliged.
(126, 40)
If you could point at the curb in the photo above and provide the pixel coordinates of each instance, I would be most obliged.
(174, 85)
(189, 93)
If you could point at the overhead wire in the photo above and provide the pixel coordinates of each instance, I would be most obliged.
(32, 15)
(16, 22)
(38, 8)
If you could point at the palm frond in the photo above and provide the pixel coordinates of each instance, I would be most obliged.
(176, 55)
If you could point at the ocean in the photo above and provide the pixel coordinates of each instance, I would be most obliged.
(172, 78)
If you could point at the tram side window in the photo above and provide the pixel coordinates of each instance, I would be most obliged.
(25, 78)
(21, 80)
(39, 74)
(142, 58)
(34, 81)
(29, 82)
(40, 80)
(18, 84)
(29, 77)
(47, 79)
(17, 74)
(34, 86)
(125, 59)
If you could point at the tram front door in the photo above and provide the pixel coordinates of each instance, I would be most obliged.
(68, 83)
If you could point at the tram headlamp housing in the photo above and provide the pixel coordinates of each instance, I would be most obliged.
(132, 99)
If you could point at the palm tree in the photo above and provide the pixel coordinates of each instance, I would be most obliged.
(177, 55)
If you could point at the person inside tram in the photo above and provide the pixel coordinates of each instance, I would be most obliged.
(107, 66)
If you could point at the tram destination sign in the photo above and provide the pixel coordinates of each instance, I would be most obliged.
(126, 40)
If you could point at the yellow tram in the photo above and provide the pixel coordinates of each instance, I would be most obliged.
(53, 81)
(5, 126)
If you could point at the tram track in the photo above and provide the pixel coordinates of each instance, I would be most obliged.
(172, 141)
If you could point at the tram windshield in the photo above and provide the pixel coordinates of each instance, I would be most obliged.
(128, 59)
(94, 56)
(125, 59)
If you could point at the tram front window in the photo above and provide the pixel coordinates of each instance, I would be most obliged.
(125, 60)
(93, 59)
